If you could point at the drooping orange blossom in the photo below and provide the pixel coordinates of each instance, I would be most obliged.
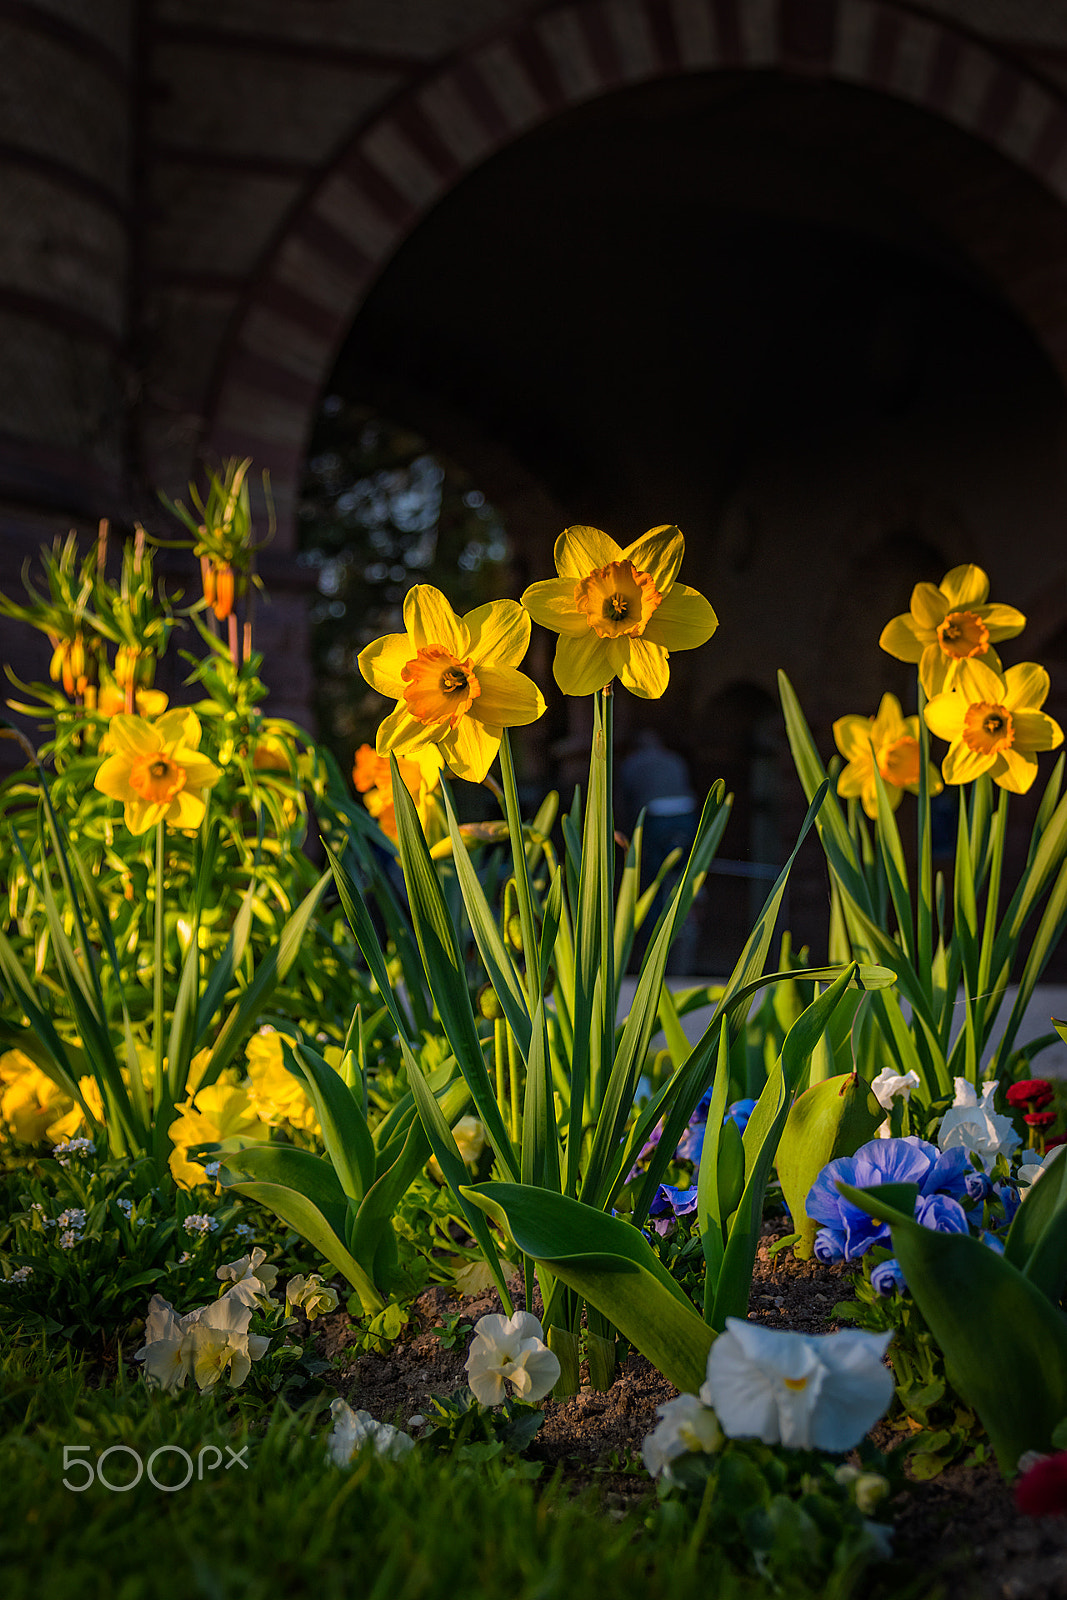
(995, 724)
(420, 773)
(454, 679)
(895, 741)
(156, 770)
(949, 628)
(619, 612)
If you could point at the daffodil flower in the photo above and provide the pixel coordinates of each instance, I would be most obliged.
(950, 627)
(995, 724)
(454, 679)
(895, 741)
(420, 772)
(157, 771)
(821, 1392)
(619, 612)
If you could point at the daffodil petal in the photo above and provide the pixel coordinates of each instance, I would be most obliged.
(682, 620)
(382, 662)
(133, 734)
(1014, 771)
(645, 671)
(928, 606)
(499, 635)
(1003, 622)
(934, 668)
(1026, 685)
(401, 732)
(139, 816)
(658, 552)
(178, 727)
(470, 748)
(962, 764)
(900, 639)
(964, 588)
(186, 810)
(851, 779)
(889, 722)
(509, 699)
(583, 665)
(580, 551)
(944, 716)
(200, 773)
(1035, 731)
(979, 679)
(852, 735)
(113, 777)
(430, 619)
(552, 604)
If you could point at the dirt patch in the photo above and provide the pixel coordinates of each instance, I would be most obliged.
(961, 1530)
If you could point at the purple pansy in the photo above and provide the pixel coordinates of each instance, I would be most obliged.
(886, 1277)
(669, 1204)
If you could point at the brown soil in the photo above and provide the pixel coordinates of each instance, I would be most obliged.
(959, 1532)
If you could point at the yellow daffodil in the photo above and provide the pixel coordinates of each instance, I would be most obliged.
(30, 1103)
(111, 701)
(420, 771)
(619, 612)
(949, 628)
(221, 1111)
(895, 741)
(157, 771)
(995, 724)
(454, 679)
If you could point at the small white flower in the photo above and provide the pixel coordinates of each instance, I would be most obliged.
(74, 1218)
(890, 1086)
(510, 1350)
(72, 1147)
(808, 1392)
(20, 1275)
(974, 1125)
(1031, 1170)
(243, 1231)
(352, 1430)
(69, 1239)
(311, 1294)
(199, 1222)
(125, 1206)
(211, 1168)
(686, 1426)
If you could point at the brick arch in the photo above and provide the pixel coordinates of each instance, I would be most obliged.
(307, 294)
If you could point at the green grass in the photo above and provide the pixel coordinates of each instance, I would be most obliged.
(292, 1525)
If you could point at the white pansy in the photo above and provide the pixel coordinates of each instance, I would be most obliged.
(354, 1429)
(203, 1344)
(510, 1350)
(973, 1125)
(311, 1295)
(1031, 1170)
(890, 1086)
(686, 1426)
(249, 1276)
(808, 1392)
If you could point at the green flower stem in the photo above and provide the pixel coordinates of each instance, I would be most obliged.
(992, 904)
(157, 987)
(515, 1075)
(602, 1067)
(522, 874)
(500, 1061)
(924, 930)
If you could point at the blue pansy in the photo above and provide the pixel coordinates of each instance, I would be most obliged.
(887, 1277)
(740, 1112)
(691, 1144)
(828, 1246)
(669, 1204)
(941, 1213)
(979, 1186)
(991, 1242)
(880, 1161)
(950, 1173)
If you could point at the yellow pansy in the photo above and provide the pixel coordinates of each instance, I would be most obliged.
(421, 773)
(221, 1111)
(950, 628)
(275, 1094)
(995, 724)
(30, 1103)
(157, 770)
(70, 1122)
(619, 612)
(454, 679)
(895, 739)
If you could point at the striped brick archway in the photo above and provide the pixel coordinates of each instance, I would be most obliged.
(306, 296)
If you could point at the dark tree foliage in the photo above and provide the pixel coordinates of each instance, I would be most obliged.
(380, 511)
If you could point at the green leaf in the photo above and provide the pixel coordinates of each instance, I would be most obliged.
(831, 1119)
(610, 1264)
(1005, 1342)
(349, 1146)
(1037, 1238)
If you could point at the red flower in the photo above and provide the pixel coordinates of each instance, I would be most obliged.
(1040, 1119)
(1060, 1138)
(1033, 1092)
(1042, 1492)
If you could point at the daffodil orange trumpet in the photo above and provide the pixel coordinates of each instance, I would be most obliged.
(156, 770)
(619, 613)
(454, 679)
